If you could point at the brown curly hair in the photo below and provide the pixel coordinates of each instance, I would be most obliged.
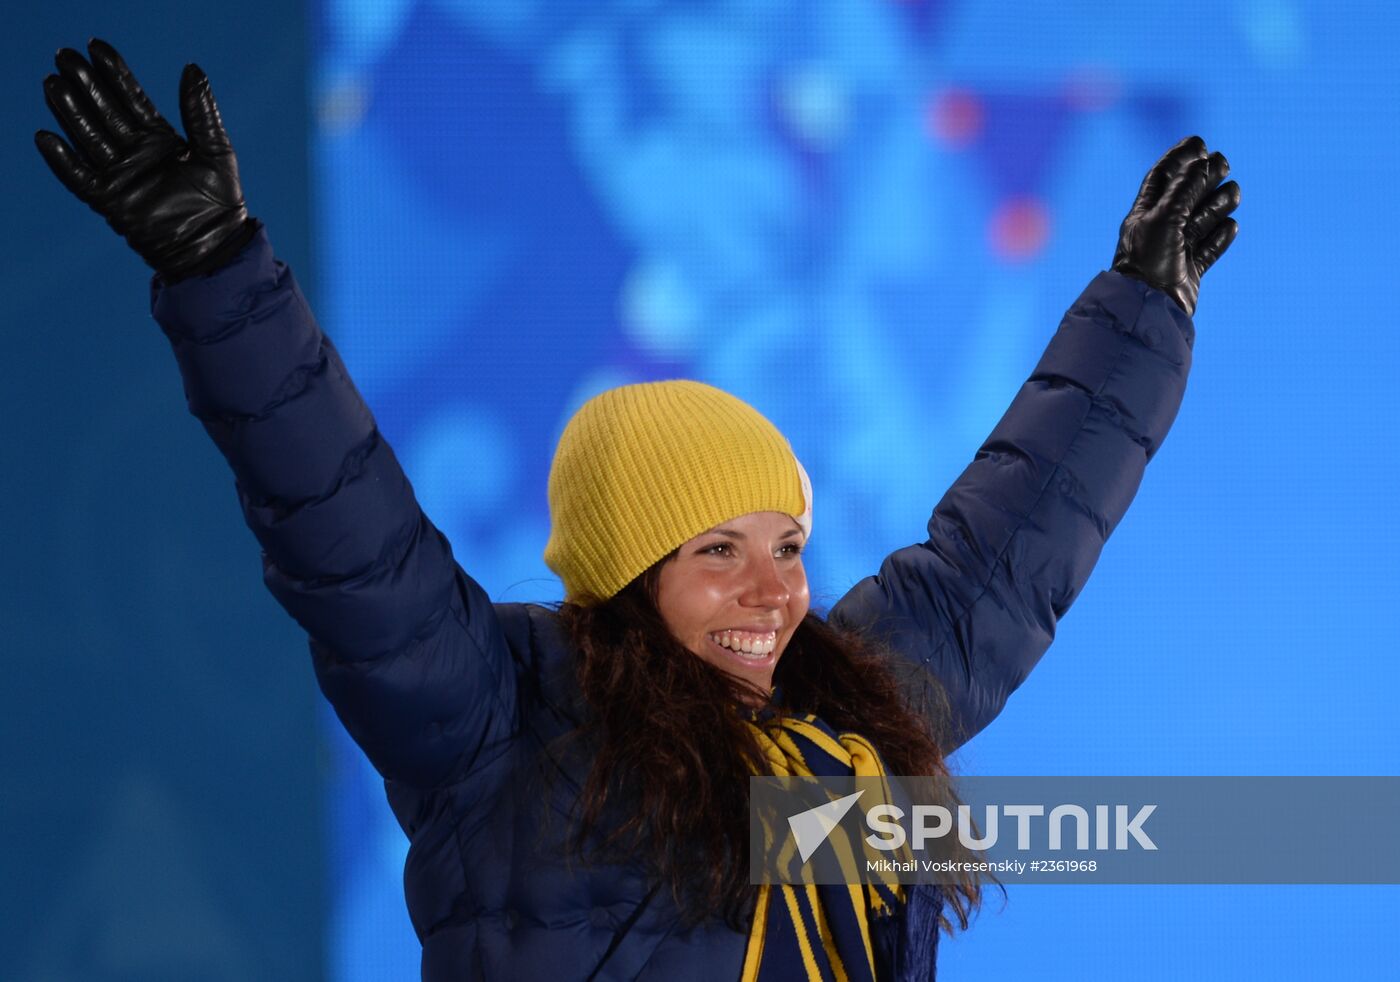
(672, 759)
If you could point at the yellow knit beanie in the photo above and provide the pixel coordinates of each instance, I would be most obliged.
(642, 468)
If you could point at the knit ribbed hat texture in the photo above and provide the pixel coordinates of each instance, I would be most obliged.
(640, 469)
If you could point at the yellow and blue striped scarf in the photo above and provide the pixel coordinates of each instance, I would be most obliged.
(848, 932)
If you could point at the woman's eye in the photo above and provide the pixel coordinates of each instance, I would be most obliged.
(727, 548)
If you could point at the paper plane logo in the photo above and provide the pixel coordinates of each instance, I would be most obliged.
(810, 828)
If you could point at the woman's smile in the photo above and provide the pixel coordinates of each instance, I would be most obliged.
(751, 647)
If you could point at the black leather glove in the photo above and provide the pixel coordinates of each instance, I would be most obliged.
(177, 201)
(1178, 226)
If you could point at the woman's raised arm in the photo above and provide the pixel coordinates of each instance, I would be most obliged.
(1013, 541)
(406, 646)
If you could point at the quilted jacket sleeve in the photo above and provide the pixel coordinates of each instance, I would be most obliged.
(405, 645)
(1013, 541)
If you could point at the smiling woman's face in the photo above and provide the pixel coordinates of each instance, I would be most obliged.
(738, 586)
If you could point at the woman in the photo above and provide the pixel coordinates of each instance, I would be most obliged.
(574, 781)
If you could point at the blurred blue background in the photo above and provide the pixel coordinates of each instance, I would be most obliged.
(867, 219)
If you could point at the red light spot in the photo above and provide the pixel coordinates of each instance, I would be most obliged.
(1019, 229)
(956, 117)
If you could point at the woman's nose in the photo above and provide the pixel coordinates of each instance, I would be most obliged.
(766, 586)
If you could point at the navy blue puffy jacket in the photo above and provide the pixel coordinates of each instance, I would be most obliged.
(452, 697)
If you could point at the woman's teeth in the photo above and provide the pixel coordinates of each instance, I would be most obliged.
(745, 643)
